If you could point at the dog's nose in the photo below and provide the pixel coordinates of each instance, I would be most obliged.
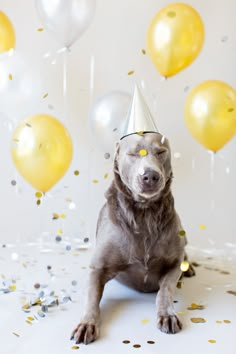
(150, 178)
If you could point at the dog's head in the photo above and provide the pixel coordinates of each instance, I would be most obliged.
(143, 164)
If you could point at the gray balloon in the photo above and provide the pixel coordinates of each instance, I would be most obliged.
(66, 19)
(108, 117)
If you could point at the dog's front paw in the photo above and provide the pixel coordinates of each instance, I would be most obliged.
(85, 332)
(169, 324)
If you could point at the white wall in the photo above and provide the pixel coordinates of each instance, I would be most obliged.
(115, 40)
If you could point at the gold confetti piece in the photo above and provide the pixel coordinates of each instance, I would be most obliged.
(95, 181)
(3, 276)
(45, 95)
(143, 51)
(145, 321)
(10, 77)
(59, 232)
(180, 284)
(224, 272)
(30, 318)
(76, 254)
(198, 320)
(180, 313)
(38, 202)
(83, 267)
(230, 109)
(212, 341)
(126, 341)
(105, 175)
(55, 216)
(150, 342)
(40, 29)
(182, 233)
(184, 266)
(38, 195)
(63, 216)
(232, 292)
(171, 14)
(74, 347)
(29, 322)
(218, 321)
(76, 173)
(143, 152)
(194, 306)
(131, 72)
(202, 227)
(12, 287)
(136, 345)
(227, 321)
(16, 334)
(26, 306)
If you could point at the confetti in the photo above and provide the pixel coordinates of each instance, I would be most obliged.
(232, 292)
(218, 321)
(55, 216)
(171, 14)
(230, 109)
(74, 282)
(145, 321)
(75, 347)
(126, 341)
(63, 216)
(180, 313)
(105, 175)
(180, 284)
(131, 72)
(14, 256)
(10, 77)
(177, 155)
(29, 322)
(198, 320)
(45, 95)
(95, 181)
(202, 227)
(212, 341)
(36, 285)
(40, 29)
(76, 173)
(143, 51)
(107, 155)
(58, 238)
(194, 306)
(59, 232)
(68, 248)
(16, 334)
(141, 133)
(137, 346)
(86, 239)
(227, 321)
(182, 233)
(184, 266)
(150, 342)
(143, 152)
(38, 202)
(38, 195)
(13, 183)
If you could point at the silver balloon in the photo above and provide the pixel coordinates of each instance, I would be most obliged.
(66, 19)
(108, 117)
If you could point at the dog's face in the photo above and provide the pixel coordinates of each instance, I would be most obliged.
(144, 164)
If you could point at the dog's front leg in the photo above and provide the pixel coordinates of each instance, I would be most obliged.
(167, 321)
(87, 330)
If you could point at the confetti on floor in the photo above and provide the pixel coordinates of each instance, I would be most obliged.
(198, 320)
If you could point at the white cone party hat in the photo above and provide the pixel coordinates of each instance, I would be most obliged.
(139, 118)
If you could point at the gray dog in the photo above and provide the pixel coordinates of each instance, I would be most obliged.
(138, 240)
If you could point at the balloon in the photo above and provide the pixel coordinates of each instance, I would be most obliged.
(66, 19)
(7, 33)
(41, 150)
(174, 38)
(210, 113)
(107, 118)
(20, 85)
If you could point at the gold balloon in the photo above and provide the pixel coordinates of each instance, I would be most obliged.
(41, 150)
(174, 38)
(7, 33)
(210, 113)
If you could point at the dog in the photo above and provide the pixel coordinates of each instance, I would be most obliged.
(138, 233)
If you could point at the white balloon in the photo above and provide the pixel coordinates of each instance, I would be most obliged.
(20, 85)
(108, 117)
(66, 19)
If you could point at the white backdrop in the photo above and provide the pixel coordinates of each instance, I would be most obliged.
(205, 194)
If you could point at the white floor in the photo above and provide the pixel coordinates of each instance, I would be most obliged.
(126, 315)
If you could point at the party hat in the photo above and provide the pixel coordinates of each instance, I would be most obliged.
(139, 118)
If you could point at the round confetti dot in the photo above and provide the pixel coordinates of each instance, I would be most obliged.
(105, 176)
(143, 152)
(202, 227)
(13, 182)
(212, 341)
(63, 216)
(38, 195)
(184, 266)
(74, 282)
(58, 238)
(86, 239)
(36, 285)
(177, 155)
(49, 267)
(182, 233)
(150, 342)
(107, 155)
(38, 202)
(76, 173)
(143, 51)
(14, 256)
(126, 341)
(4, 246)
(137, 346)
(59, 232)
(68, 248)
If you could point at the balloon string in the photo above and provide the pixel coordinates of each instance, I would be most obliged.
(92, 61)
(212, 179)
(65, 83)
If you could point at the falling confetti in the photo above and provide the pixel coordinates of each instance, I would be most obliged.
(182, 233)
(45, 95)
(137, 346)
(10, 77)
(40, 29)
(227, 321)
(212, 341)
(150, 342)
(131, 72)
(145, 321)
(105, 175)
(126, 341)
(202, 227)
(143, 51)
(194, 306)
(38, 202)
(218, 321)
(107, 155)
(95, 181)
(143, 152)
(55, 216)
(58, 238)
(198, 320)
(76, 173)
(16, 334)
(13, 183)
(38, 195)
(63, 216)
(184, 266)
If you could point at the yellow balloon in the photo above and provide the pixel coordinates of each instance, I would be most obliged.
(41, 150)
(7, 33)
(210, 113)
(174, 38)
